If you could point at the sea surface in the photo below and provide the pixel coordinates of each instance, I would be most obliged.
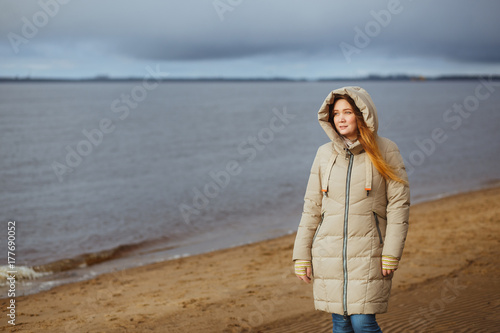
(103, 176)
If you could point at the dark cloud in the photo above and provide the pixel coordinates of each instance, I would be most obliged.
(461, 31)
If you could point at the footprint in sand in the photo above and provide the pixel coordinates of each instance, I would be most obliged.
(101, 295)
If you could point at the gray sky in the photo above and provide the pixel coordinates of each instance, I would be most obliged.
(248, 38)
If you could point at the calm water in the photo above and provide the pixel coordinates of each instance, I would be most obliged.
(138, 189)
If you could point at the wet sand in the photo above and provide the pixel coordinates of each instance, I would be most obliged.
(447, 282)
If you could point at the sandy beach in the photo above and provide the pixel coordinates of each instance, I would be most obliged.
(447, 282)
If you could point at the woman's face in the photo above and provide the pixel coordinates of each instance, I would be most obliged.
(344, 119)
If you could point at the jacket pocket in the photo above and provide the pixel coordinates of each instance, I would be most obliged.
(319, 226)
(377, 224)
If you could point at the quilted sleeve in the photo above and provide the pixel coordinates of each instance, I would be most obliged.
(398, 206)
(311, 213)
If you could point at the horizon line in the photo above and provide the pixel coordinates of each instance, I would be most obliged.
(371, 77)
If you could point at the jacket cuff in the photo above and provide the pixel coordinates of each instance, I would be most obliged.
(390, 262)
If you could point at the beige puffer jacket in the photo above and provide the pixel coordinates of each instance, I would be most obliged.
(351, 217)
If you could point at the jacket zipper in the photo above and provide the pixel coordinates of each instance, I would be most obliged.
(346, 212)
(378, 228)
(319, 226)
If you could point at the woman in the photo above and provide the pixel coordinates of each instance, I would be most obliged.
(355, 218)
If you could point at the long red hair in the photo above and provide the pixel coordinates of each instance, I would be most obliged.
(368, 140)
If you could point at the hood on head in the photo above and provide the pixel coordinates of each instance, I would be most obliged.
(363, 102)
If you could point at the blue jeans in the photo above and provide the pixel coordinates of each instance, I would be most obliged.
(357, 323)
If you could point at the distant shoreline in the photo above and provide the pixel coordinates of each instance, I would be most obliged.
(103, 79)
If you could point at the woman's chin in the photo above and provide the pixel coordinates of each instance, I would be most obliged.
(347, 134)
